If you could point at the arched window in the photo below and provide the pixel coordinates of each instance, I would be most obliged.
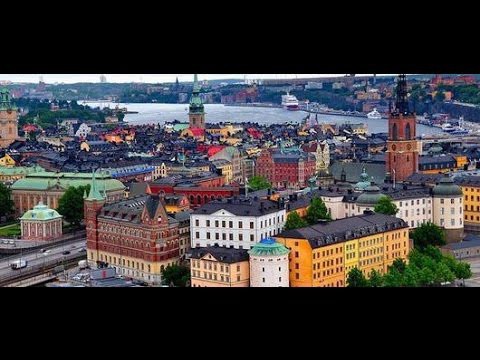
(394, 132)
(408, 159)
(192, 199)
(407, 132)
(199, 199)
(205, 199)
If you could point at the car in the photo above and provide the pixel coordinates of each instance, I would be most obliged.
(82, 250)
(66, 252)
(46, 252)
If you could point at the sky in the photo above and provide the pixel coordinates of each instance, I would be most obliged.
(148, 78)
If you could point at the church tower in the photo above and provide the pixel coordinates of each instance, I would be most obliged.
(8, 120)
(402, 146)
(92, 204)
(196, 115)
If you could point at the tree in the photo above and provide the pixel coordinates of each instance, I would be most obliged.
(393, 278)
(316, 211)
(6, 202)
(294, 221)
(70, 205)
(386, 206)
(375, 279)
(356, 278)
(400, 265)
(179, 275)
(428, 234)
(258, 183)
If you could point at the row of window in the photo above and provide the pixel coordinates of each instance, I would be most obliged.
(452, 222)
(472, 208)
(208, 265)
(412, 202)
(472, 198)
(452, 211)
(471, 217)
(277, 220)
(376, 259)
(211, 276)
(122, 262)
(231, 237)
(418, 212)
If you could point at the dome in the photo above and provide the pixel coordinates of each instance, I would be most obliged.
(446, 187)
(370, 196)
(41, 212)
(268, 247)
(364, 181)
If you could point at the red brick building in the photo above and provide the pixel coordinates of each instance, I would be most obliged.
(402, 153)
(136, 236)
(286, 170)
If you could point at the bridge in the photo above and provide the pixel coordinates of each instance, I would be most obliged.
(42, 264)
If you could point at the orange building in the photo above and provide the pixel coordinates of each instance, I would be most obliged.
(216, 266)
(322, 255)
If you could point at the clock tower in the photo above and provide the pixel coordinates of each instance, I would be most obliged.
(402, 147)
(92, 204)
(196, 114)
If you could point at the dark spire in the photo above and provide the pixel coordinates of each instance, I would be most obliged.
(401, 103)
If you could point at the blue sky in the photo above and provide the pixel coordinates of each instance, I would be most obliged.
(150, 78)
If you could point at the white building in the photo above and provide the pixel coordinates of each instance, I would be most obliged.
(236, 222)
(83, 131)
(269, 264)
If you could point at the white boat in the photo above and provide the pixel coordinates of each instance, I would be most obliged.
(290, 102)
(374, 114)
(454, 130)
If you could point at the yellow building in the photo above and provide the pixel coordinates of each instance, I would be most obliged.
(226, 167)
(471, 195)
(219, 267)
(7, 161)
(323, 254)
(461, 160)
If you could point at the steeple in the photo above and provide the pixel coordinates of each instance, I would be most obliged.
(196, 112)
(94, 193)
(401, 102)
(5, 102)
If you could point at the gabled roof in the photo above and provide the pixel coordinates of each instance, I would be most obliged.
(221, 254)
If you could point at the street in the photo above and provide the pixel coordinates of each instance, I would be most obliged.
(38, 257)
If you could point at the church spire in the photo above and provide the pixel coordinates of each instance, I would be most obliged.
(94, 193)
(401, 102)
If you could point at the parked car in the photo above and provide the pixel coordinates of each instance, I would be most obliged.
(66, 252)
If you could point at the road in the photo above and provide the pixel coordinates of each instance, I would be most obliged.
(38, 257)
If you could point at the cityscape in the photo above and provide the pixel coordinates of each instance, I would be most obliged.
(229, 180)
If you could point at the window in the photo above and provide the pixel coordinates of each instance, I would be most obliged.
(279, 279)
(442, 222)
(251, 224)
(252, 237)
(263, 279)
(217, 236)
(230, 237)
(230, 224)
(452, 221)
(452, 211)
(240, 225)
(442, 201)
(197, 222)
(296, 254)
(224, 236)
(442, 211)
(240, 237)
(223, 224)
(216, 223)
(452, 201)
(297, 266)
(208, 236)
(297, 276)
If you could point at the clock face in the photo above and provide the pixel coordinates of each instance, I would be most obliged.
(394, 147)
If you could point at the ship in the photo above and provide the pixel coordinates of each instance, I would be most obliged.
(374, 114)
(454, 130)
(290, 102)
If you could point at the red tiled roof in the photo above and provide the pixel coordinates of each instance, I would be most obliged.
(212, 150)
(197, 131)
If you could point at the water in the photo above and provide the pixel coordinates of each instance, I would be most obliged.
(152, 113)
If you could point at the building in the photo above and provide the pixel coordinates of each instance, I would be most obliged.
(232, 155)
(8, 120)
(269, 264)
(136, 236)
(470, 186)
(48, 187)
(464, 249)
(41, 223)
(322, 255)
(219, 267)
(248, 167)
(448, 209)
(183, 218)
(321, 151)
(7, 161)
(196, 114)
(225, 168)
(236, 222)
(8, 175)
(402, 147)
(286, 170)
(82, 131)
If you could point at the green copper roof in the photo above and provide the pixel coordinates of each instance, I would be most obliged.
(370, 196)
(47, 180)
(446, 187)
(5, 103)
(268, 247)
(196, 104)
(19, 170)
(94, 193)
(41, 212)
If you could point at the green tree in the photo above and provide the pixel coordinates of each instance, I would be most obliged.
(463, 271)
(400, 265)
(393, 278)
(178, 275)
(386, 206)
(70, 204)
(428, 234)
(375, 279)
(316, 211)
(6, 202)
(356, 278)
(294, 221)
(258, 183)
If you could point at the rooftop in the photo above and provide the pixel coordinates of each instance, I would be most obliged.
(221, 254)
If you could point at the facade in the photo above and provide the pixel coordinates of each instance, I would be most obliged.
(463, 250)
(7, 161)
(236, 222)
(183, 218)
(269, 264)
(322, 255)
(136, 236)
(248, 167)
(232, 155)
(219, 267)
(48, 187)
(226, 169)
(8, 120)
(448, 209)
(402, 147)
(321, 150)
(8, 175)
(41, 223)
(286, 170)
(82, 131)
(470, 186)
(196, 114)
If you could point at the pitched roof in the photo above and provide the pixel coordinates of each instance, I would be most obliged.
(241, 206)
(221, 254)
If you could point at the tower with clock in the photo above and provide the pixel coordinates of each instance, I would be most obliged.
(402, 147)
